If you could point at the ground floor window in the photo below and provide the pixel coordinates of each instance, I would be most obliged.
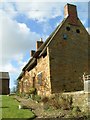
(39, 78)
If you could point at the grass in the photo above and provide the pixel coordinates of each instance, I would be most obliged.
(0, 107)
(10, 109)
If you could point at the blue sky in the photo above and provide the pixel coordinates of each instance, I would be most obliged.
(23, 23)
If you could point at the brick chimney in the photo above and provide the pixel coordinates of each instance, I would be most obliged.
(71, 12)
(32, 53)
(39, 43)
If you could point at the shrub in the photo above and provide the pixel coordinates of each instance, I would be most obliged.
(55, 104)
(76, 111)
(32, 91)
(21, 94)
(37, 98)
(61, 101)
(58, 101)
(45, 99)
(66, 102)
(46, 106)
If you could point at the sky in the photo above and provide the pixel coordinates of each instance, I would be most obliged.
(23, 22)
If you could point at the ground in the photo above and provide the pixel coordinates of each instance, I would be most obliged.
(43, 109)
(33, 109)
(10, 109)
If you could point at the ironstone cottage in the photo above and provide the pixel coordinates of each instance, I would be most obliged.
(4, 83)
(58, 64)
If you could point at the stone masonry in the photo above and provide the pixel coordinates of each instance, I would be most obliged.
(59, 63)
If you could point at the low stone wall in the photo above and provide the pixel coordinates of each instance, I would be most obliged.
(80, 99)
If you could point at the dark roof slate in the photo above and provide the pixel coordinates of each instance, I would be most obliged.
(20, 76)
(43, 47)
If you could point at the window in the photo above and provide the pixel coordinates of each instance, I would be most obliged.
(39, 78)
(77, 30)
(68, 28)
(65, 37)
(25, 83)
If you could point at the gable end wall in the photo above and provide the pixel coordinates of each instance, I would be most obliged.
(68, 58)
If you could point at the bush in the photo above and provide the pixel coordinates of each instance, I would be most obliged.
(46, 106)
(76, 111)
(55, 104)
(37, 98)
(66, 102)
(21, 94)
(45, 99)
(60, 101)
(32, 91)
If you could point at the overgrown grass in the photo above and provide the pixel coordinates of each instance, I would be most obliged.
(10, 109)
(58, 102)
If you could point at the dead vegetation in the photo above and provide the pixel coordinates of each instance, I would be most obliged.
(55, 106)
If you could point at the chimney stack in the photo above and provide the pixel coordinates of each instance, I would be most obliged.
(32, 53)
(39, 43)
(71, 12)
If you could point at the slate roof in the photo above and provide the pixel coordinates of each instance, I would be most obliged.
(4, 75)
(20, 76)
(41, 51)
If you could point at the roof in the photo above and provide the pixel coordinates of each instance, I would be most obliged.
(41, 51)
(43, 47)
(4, 75)
(20, 76)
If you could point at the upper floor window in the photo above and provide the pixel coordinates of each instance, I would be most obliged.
(77, 30)
(68, 28)
(65, 36)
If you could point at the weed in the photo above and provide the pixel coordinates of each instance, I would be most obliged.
(37, 98)
(45, 99)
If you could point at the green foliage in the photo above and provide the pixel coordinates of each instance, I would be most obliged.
(32, 91)
(45, 99)
(66, 102)
(76, 111)
(46, 106)
(59, 102)
(37, 98)
(19, 94)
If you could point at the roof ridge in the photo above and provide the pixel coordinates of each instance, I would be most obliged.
(43, 47)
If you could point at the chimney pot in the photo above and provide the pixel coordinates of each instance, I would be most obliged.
(32, 53)
(41, 39)
(39, 43)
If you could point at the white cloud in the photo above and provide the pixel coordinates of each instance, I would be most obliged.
(16, 39)
(9, 67)
(40, 11)
(9, 8)
(43, 10)
(23, 28)
(45, 1)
